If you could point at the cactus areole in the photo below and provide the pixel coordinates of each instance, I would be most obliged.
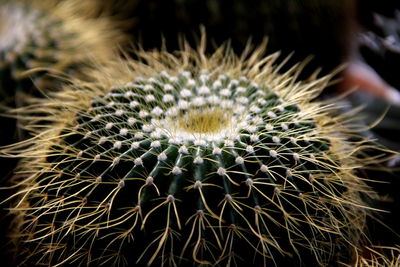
(191, 160)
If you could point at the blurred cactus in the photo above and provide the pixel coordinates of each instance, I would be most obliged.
(38, 38)
(49, 36)
(186, 158)
(380, 46)
(45, 37)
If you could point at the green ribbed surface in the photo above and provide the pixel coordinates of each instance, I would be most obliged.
(134, 185)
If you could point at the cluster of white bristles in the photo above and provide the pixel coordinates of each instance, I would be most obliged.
(184, 110)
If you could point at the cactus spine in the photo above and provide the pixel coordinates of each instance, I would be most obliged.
(189, 158)
(380, 256)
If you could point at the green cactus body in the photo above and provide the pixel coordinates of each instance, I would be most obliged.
(189, 159)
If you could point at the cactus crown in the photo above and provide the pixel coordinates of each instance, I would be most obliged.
(184, 157)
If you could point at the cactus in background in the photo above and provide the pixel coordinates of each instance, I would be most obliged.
(186, 158)
(45, 37)
(49, 35)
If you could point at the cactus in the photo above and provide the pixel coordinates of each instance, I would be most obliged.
(189, 158)
(39, 38)
(49, 36)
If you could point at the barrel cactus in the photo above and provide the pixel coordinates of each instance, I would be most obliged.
(46, 35)
(189, 158)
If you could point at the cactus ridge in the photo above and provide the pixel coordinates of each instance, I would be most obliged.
(178, 158)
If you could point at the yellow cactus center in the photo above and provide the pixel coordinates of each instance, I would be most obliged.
(210, 120)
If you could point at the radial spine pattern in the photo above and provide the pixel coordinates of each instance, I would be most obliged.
(189, 159)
